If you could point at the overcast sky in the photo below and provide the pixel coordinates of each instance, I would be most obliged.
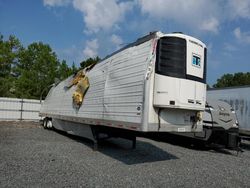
(78, 29)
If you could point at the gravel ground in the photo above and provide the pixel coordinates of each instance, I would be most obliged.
(33, 157)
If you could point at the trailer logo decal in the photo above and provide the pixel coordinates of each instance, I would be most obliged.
(221, 108)
(196, 61)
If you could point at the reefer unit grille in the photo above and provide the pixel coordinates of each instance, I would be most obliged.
(171, 57)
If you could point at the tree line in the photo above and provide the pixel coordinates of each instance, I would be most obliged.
(236, 79)
(25, 72)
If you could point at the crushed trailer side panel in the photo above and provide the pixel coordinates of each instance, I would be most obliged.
(115, 95)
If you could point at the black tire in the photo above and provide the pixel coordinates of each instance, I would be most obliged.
(45, 121)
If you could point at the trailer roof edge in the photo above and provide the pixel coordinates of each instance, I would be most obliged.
(232, 87)
(139, 41)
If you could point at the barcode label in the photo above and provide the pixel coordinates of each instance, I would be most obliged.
(181, 129)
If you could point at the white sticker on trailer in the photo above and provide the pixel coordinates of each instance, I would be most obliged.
(181, 129)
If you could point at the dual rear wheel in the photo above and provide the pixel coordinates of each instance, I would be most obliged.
(47, 123)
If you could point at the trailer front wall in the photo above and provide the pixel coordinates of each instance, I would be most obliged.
(239, 99)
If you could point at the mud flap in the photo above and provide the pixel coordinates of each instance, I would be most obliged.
(233, 140)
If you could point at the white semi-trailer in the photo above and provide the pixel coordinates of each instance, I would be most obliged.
(156, 84)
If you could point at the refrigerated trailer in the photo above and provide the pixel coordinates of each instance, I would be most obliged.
(155, 84)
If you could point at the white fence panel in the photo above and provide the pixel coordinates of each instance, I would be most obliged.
(19, 109)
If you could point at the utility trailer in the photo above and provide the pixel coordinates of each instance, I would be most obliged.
(156, 84)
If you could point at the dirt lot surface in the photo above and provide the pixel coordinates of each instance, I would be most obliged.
(31, 156)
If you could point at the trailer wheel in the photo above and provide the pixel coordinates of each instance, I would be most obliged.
(49, 124)
(45, 120)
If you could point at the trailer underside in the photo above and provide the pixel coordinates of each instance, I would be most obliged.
(91, 132)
